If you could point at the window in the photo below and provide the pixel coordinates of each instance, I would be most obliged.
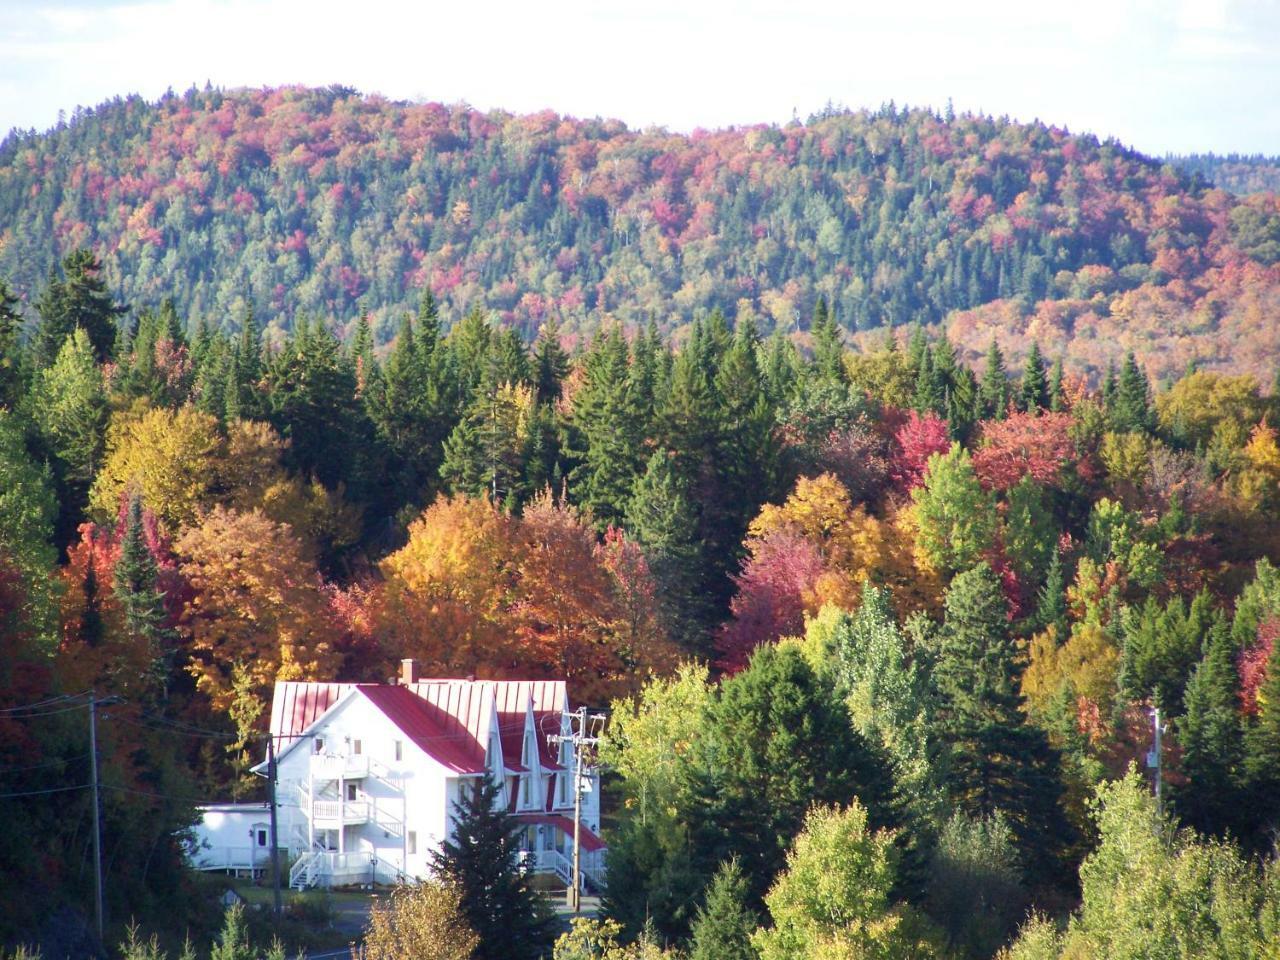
(357, 747)
(262, 838)
(399, 751)
(319, 744)
(413, 842)
(524, 790)
(351, 791)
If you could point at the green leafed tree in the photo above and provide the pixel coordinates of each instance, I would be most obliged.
(955, 517)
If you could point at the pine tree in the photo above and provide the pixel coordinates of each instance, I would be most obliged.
(723, 926)
(930, 396)
(481, 860)
(1051, 599)
(998, 761)
(606, 434)
(1033, 394)
(140, 599)
(995, 385)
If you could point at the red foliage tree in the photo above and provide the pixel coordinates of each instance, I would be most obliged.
(1025, 445)
(770, 602)
(914, 443)
(1253, 662)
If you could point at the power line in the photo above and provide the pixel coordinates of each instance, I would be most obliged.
(41, 793)
(40, 766)
(62, 698)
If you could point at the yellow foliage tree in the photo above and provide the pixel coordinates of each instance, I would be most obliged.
(420, 921)
(169, 456)
(257, 601)
(446, 590)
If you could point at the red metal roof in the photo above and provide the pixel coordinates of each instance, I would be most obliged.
(453, 716)
(589, 840)
(426, 725)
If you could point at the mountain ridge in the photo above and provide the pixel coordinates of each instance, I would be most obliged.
(324, 202)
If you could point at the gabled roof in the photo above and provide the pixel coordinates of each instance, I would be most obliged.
(452, 720)
(435, 731)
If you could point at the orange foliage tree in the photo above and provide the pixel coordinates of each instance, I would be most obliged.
(257, 601)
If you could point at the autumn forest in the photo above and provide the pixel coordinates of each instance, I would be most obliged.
(880, 474)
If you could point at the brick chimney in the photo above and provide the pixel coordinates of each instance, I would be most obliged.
(408, 671)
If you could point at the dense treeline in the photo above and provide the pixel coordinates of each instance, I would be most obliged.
(318, 202)
(879, 611)
(1239, 173)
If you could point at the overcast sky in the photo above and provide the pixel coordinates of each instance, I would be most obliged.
(1161, 75)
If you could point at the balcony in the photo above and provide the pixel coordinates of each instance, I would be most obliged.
(330, 767)
(330, 814)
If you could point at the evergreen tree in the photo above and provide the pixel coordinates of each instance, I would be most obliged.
(1210, 735)
(140, 599)
(724, 924)
(80, 300)
(998, 761)
(1051, 599)
(1033, 394)
(781, 368)
(606, 433)
(550, 363)
(828, 350)
(779, 742)
(995, 385)
(11, 385)
(930, 394)
(1057, 398)
(481, 860)
(662, 520)
(1130, 408)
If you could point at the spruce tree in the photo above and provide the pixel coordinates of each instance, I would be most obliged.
(995, 385)
(481, 860)
(1057, 398)
(662, 520)
(1051, 598)
(79, 300)
(141, 601)
(998, 761)
(605, 433)
(930, 396)
(1130, 409)
(1033, 393)
(724, 924)
(828, 350)
(550, 363)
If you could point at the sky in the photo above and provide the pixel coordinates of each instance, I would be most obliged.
(1160, 75)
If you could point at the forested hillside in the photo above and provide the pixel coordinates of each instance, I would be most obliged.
(324, 203)
(880, 615)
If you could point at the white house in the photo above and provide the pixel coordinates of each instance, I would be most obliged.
(367, 775)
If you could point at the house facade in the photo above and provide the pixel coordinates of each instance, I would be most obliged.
(367, 775)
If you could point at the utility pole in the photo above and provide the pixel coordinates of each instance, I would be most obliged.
(97, 806)
(582, 740)
(1154, 757)
(275, 845)
(97, 822)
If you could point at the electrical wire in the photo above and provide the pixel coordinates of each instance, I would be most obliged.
(62, 698)
(40, 793)
(40, 766)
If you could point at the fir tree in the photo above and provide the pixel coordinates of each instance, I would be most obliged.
(482, 861)
(1051, 599)
(930, 395)
(724, 924)
(995, 385)
(606, 433)
(1033, 393)
(998, 761)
